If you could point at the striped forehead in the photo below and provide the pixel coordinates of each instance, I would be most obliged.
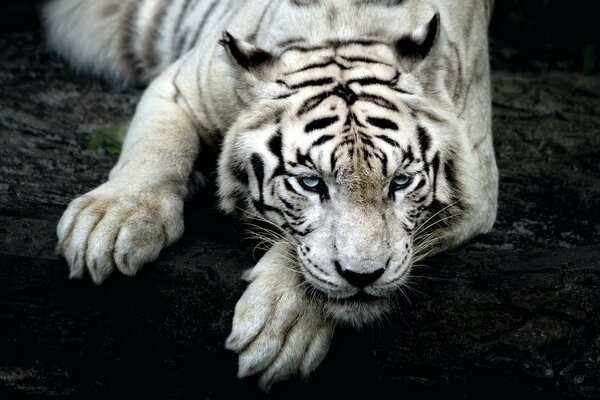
(357, 77)
(340, 63)
(344, 113)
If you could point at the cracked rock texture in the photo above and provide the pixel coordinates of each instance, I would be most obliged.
(514, 313)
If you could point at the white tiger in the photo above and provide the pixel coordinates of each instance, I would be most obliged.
(359, 130)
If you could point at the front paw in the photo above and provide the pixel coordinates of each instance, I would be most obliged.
(277, 331)
(116, 228)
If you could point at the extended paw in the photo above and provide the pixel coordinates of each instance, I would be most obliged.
(277, 331)
(115, 228)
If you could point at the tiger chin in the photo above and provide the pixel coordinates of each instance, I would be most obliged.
(357, 136)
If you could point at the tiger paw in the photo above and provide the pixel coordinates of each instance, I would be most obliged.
(277, 331)
(117, 228)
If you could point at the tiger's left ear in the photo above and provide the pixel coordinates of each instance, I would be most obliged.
(250, 58)
(415, 46)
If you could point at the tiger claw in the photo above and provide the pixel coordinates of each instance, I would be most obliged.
(277, 332)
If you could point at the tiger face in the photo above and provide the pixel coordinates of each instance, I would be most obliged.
(343, 149)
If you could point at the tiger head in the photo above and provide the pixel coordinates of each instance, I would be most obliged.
(348, 151)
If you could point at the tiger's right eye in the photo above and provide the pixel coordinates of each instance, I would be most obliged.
(311, 183)
(400, 182)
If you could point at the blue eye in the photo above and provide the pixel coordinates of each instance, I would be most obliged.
(311, 183)
(401, 181)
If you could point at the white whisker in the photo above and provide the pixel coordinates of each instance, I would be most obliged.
(433, 216)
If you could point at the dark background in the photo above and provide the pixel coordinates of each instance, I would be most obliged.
(513, 314)
(542, 35)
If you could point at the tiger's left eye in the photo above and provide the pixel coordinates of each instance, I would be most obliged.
(401, 181)
(311, 183)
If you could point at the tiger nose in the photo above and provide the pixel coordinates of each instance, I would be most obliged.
(357, 279)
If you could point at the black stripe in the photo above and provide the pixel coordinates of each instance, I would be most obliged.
(401, 91)
(355, 42)
(304, 49)
(313, 82)
(368, 81)
(384, 160)
(435, 165)
(317, 277)
(289, 187)
(285, 95)
(388, 140)
(356, 120)
(323, 139)
(423, 198)
(293, 218)
(408, 156)
(365, 60)
(368, 142)
(340, 91)
(320, 123)
(287, 204)
(424, 140)
(349, 141)
(312, 102)
(382, 123)
(296, 231)
(315, 65)
(333, 160)
(304, 159)
(264, 208)
(385, 3)
(380, 101)
(276, 147)
(419, 185)
(304, 3)
(345, 94)
(259, 172)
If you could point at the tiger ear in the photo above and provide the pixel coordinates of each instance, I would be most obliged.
(415, 46)
(247, 56)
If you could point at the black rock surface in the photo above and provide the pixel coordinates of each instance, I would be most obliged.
(514, 313)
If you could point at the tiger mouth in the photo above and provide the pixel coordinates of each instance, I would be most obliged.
(360, 298)
(356, 310)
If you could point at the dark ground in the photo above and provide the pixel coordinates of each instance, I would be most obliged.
(516, 313)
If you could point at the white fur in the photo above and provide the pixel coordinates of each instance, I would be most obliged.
(277, 330)
(83, 32)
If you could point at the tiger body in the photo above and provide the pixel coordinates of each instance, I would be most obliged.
(360, 130)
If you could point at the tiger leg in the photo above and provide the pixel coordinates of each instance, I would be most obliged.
(277, 331)
(125, 222)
